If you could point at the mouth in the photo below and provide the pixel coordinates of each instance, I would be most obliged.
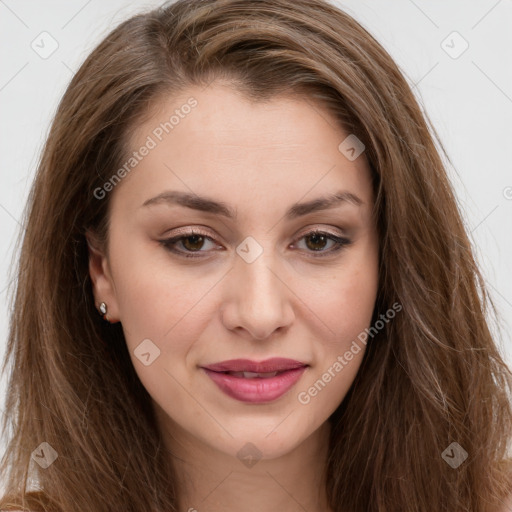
(254, 375)
(269, 366)
(256, 382)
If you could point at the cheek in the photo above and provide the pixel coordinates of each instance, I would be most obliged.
(344, 303)
(157, 300)
(344, 299)
(163, 313)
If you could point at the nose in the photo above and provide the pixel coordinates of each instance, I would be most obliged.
(257, 300)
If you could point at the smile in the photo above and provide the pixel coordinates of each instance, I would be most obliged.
(255, 387)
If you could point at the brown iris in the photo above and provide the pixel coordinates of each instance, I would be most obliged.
(318, 240)
(197, 242)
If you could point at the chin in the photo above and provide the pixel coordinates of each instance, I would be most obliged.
(265, 440)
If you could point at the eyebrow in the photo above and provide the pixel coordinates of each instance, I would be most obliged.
(205, 204)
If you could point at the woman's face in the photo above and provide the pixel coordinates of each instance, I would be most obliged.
(257, 283)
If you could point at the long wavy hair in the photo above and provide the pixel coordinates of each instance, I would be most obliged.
(432, 377)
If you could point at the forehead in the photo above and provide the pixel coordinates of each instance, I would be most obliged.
(213, 139)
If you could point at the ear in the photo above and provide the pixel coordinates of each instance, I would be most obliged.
(102, 283)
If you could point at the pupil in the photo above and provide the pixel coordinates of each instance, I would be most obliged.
(317, 238)
(195, 238)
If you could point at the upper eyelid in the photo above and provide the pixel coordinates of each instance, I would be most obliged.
(199, 231)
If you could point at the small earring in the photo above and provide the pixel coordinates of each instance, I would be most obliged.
(103, 311)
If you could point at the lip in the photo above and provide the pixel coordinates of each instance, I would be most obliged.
(258, 389)
(274, 364)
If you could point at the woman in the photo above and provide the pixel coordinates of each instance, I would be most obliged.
(290, 314)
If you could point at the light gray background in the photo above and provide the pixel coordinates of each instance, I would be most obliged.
(468, 98)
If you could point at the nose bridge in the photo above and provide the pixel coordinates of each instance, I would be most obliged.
(260, 300)
(253, 266)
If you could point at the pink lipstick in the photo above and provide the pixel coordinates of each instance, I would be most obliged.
(256, 382)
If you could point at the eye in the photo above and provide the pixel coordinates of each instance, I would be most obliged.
(193, 241)
(317, 240)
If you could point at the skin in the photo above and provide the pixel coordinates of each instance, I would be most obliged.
(259, 158)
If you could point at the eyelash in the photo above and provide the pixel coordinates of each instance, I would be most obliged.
(340, 243)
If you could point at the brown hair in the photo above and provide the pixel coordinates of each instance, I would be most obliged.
(433, 376)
